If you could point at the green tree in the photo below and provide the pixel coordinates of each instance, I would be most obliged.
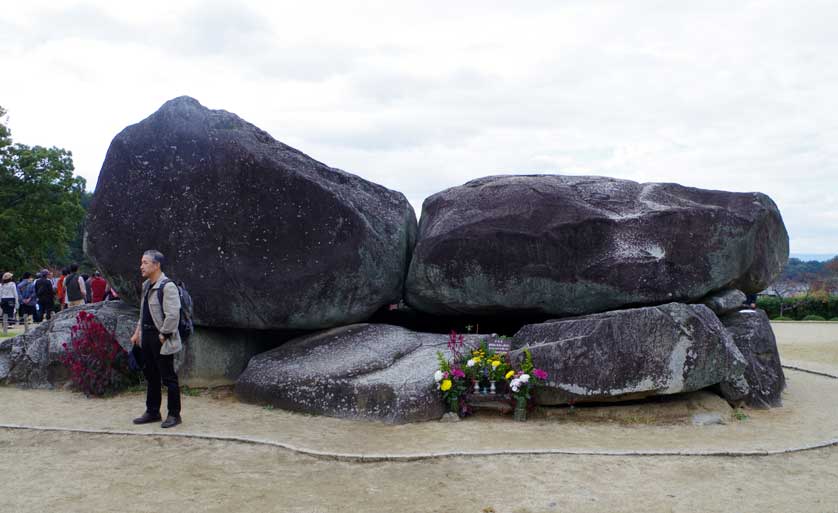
(77, 244)
(831, 281)
(40, 203)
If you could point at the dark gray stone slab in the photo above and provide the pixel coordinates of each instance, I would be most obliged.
(724, 301)
(630, 354)
(217, 356)
(362, 371)
(763, 382)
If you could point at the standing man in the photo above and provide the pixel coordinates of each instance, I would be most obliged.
(157, 333)
(28, 299)
(43, 290)
(98, 288)
(74, 287)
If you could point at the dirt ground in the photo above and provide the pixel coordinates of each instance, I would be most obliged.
(68, 472)
(809, 416)
(84, 473)
(808, 343)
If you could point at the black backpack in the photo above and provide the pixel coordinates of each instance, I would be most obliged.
(185, 326)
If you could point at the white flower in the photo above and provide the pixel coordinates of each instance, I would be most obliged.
(515, 383)
(438, 376)
(471, 362)
(525, 378)
(514, 388)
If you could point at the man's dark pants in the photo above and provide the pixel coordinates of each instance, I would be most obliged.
(25, 310)
(47, 307)
(159, 368)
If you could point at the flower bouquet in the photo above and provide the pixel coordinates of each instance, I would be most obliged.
(486, 367)
(451, 378)
(521, 382)
(475, 367)
(498, 366)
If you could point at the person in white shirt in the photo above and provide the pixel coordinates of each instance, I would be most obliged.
(9, 297)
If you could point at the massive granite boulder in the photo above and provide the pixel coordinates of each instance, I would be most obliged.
(361, 371)
(630, 354)
(570, 245)
(763, 379)
(211, 356)
(264, 236)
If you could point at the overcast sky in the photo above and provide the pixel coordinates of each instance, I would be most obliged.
(421, 96)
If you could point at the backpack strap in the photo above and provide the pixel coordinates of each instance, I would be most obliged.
(160, 296)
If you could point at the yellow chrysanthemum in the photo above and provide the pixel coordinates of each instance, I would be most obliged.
(510, 374)
(446, 385)
(495, 363)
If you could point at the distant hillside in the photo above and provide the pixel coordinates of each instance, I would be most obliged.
(804, 270)
(813, 257)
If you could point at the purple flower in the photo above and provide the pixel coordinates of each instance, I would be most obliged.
(540, 374)
(458, 373)
(455, 343)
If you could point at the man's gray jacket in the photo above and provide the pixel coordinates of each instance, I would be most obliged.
(166, 325)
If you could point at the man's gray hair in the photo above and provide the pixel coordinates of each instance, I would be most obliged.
(155, 256)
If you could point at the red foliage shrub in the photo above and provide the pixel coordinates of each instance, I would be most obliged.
(97, 363)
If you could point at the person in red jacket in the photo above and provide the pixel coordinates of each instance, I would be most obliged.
(98, 287)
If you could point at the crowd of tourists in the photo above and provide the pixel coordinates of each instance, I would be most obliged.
(37, 296)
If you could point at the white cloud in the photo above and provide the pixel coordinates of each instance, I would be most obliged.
(421, 96)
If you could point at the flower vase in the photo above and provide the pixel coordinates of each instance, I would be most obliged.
(476, 386)
(520, 413)
(454, 405)
(492, 387)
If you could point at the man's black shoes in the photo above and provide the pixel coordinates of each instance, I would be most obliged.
(147, 418)
(171, 421)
